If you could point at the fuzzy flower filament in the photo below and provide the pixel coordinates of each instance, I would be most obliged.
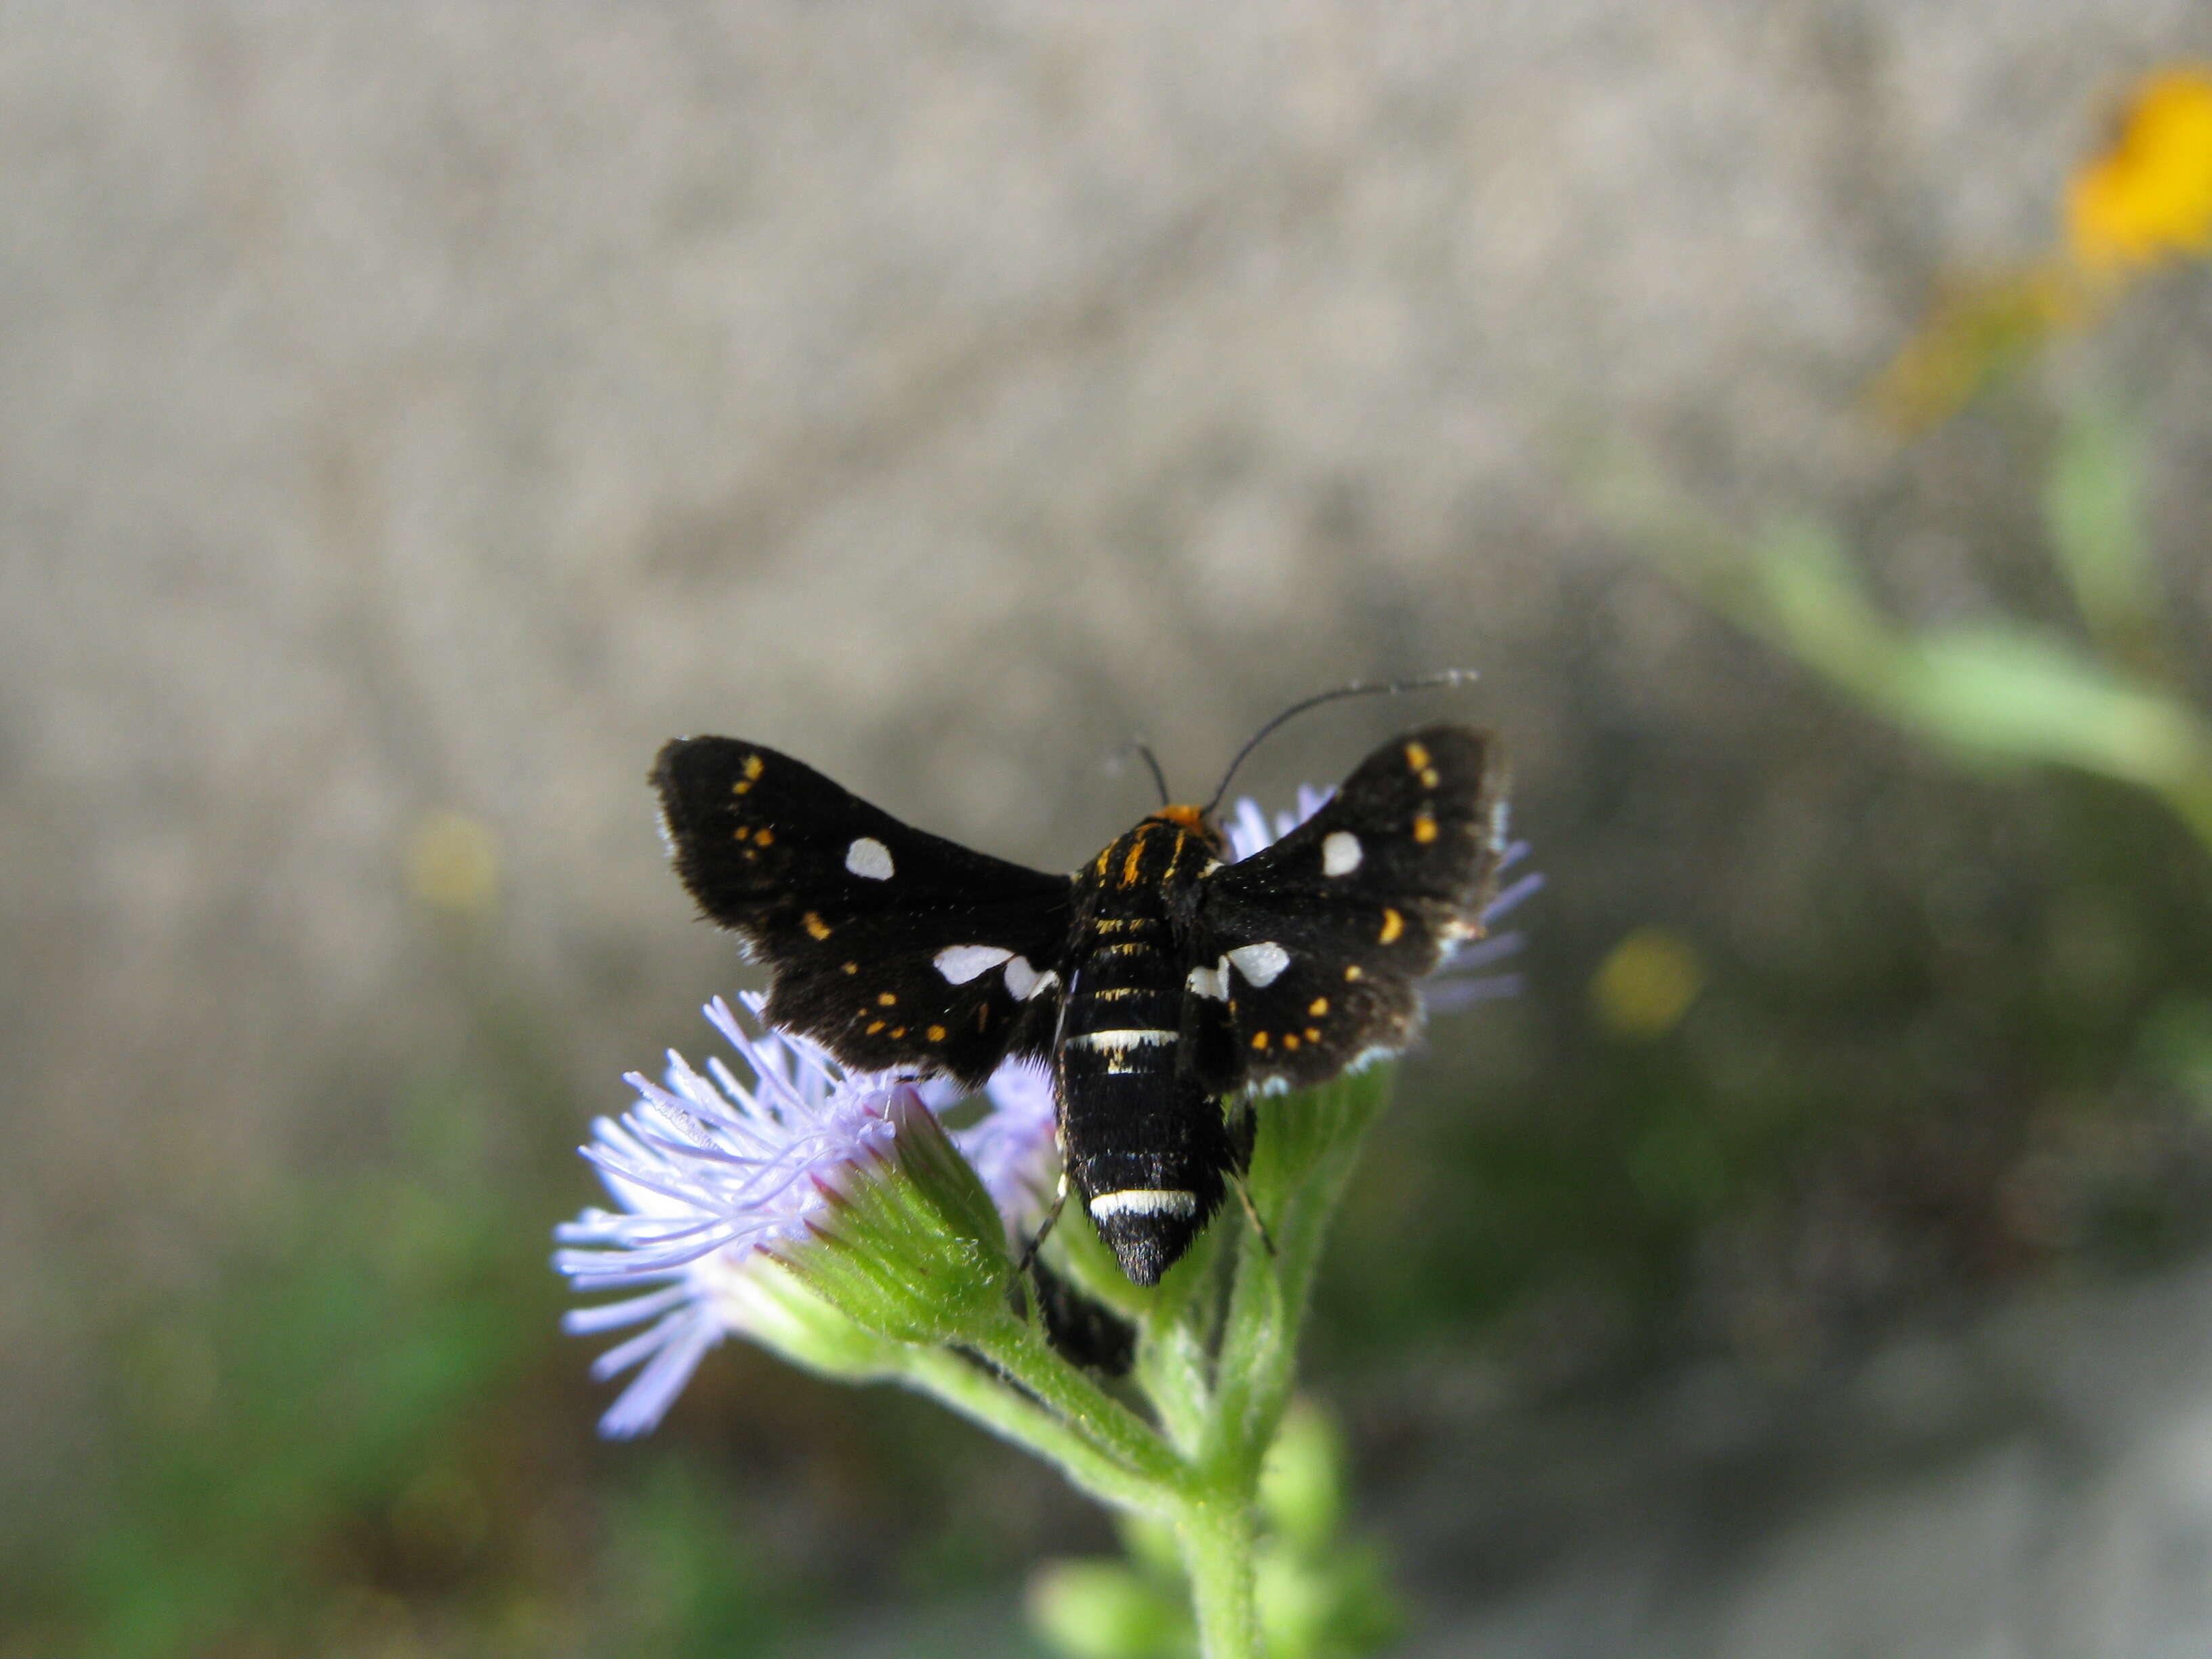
(819, 1213)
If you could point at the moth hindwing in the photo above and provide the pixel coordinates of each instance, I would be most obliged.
(1161, 980)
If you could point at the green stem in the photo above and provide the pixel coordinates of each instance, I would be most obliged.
(1215, 1534)
(1171, 1369)
(983, 1400)
(1022, 1354)
(1266, 1309)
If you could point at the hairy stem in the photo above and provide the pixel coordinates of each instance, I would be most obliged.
(1216, 1534)
(985, 1401)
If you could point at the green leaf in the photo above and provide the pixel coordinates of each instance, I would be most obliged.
(1816, 602)
(1101, 1610)
(1301, 1481)
(2092, 508)
(2009, 693)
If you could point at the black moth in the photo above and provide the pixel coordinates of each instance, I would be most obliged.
(1160, 980)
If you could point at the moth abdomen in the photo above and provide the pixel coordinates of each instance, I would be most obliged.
(1147, 1147)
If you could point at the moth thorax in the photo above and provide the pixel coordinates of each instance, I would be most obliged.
(1193, 821)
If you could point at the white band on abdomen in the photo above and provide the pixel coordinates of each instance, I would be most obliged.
(1120, 1042)
(1145, 1201)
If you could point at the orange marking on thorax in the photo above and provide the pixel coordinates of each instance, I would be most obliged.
(1136, 856)
(1175, 857)
(1190, 818)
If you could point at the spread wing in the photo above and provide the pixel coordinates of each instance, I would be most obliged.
(1315, 942)
(894, 949)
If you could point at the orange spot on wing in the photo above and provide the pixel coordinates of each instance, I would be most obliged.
(874, 1026)
(1320, 1007)
(1351, 972)
(753, 767)
(1393, 925)
(1417, 757)
(1290, 1040)
(937, 1034)
(1312, 1035)
(764, 837)
(1259, 1039)
(815, 926)
(886, 999)
(1425, 829)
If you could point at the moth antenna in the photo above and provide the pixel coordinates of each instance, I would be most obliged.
(1139, 747)
(1389, 687)
(1158, 776)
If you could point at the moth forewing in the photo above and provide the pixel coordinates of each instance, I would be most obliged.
(1160, 980)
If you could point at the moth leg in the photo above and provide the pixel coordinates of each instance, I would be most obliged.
(1244, 1132)
(1021, 1268)
(1251, 1210)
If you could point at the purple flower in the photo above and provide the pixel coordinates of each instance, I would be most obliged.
(713, 1174)
(1013, 1147)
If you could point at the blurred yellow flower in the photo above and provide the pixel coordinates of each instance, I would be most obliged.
(2145, 197)
(453, 862)
(2148, 195)
(1646, 983)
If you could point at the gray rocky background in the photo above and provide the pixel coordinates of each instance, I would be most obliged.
(431, 407)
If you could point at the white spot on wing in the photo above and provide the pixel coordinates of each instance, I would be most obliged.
(870, 857)
(1024, 982)
(1263, 964)
(961, 963)
(1208, 983)
(1339, 852)
(1145, 1201)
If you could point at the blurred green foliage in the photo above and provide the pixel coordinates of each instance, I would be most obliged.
(1989, 693)
(320, 1411)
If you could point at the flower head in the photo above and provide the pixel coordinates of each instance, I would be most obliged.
(2148, 196)
(730, 1191)
(1013, 1146)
